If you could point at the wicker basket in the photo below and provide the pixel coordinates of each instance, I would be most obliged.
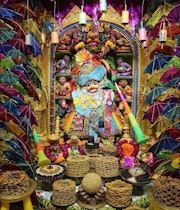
(107, 166)
(77, 166)
(64, 192)
(110, 150)
(92, 159)
(167, 191)
(118, 193)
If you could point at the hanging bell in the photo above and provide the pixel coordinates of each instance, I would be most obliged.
(43, 37)
(82, 17)
(54, 37)
(125, 16)
(163, 34)
(103, 6)
(28, 39)
(142, 33)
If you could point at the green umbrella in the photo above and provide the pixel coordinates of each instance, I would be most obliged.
(6, 34)
(8, 77)
(7, 63)
(175, 61)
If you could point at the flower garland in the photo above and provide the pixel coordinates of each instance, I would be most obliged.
(120, 149)
(53, 156)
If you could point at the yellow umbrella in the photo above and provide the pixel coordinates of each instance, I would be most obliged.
(170, 91)
(160, 125)
(154, 78)
(155, 42)
(160, 11)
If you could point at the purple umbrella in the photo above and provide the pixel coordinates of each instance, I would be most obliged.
(154, 111)
(174, 14)
(19, 44)
(172, 99)
(7, 116)
(171, 73)
(4, 48)
(10, 91)
(155, 30)
(27, 112)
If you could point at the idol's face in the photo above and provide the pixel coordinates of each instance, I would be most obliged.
(92, 86)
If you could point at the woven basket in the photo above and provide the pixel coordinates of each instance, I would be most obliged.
(118, 193)
(77, 166)
(64, 192)
(109, 150)
(92, 159)
(107, 166)
(167, 191)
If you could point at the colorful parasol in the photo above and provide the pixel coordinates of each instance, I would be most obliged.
(11, 107)
(47, 26)
(174, 61)
(7, 63)
(162, 10)
(164, 49)
(154, 32)
(26, 111)
(170, 73)
(154, 78)
(10, 91)
(174, 83)
(161, 124)
(172, 99)
(170, 91)
(23, 9)
(164, 141)
(173, 132)
(173, 31)
(154, 93)
(31, 24)
(8, 77)
(171, 111)
(4, 48)
(35, 48)
(15, 53)
(158, 61)
(7, 116)
(18, 43)
(154, 111)
(8, 13)
(27, 118)
(174, 13)
(6, 34)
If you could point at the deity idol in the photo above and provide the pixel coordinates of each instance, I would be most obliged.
(94, 113)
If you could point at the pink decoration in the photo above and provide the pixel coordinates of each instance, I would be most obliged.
(129, 162)
(142, 34)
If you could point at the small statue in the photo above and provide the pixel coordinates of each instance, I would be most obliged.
(106, 36)
(63, 66)
(125, 89)
(122, 44)
(123, 68)
(66, 42)
(93, 39)
(63, 88)
(75, 146)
